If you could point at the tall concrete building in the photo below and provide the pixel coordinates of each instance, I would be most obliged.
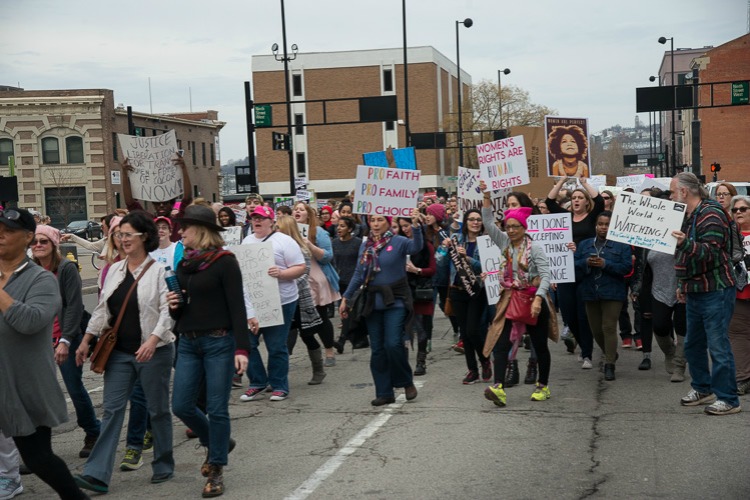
(328, 155)
(63, 144)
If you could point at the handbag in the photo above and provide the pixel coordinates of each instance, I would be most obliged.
(424, 293)
(519, 307)
(357, 306)
(108, 338)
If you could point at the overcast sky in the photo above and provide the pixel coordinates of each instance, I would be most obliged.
(583, 58)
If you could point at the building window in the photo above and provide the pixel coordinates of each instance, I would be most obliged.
(114, 147)
(203, 153)
(195, 191)
(390, 125)
(74, 149)
(192, 148)
(301, 167)
(299, 129)
(213, 154)
(387, 80)
(6, 151)
(50, 150)
(297, 85)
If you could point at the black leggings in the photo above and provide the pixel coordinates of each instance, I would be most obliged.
(442, 297)
(469, 313)
(324, 331)
(538, 334)
(36, 452)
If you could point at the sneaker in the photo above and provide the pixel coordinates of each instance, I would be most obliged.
(237, 381)
(278, 396)
(470, 378)
(721, 408)
(132, 460)
(645, 364)
(541, 393)
(743, 387)
(252, 394)
(486, 370)
(88, 445)
(9, 488)
(91, 483)
(496, 394)
(329, 362)
(627, 343)
(148, 442)
(695, 398)
(587, 364)
(638, 345)
(190, 433)
(565, 333)
(459, 346)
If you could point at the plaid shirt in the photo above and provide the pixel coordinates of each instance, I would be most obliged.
(702, 260)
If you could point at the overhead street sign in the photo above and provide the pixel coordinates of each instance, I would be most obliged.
(263, 115)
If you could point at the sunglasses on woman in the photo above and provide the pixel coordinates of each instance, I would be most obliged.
(740, 209)
(40, 241)
(10, 214)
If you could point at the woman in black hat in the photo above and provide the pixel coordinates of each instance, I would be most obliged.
(212, 346)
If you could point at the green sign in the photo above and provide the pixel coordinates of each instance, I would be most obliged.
(263, 116)
(740, 93)
(452, 178)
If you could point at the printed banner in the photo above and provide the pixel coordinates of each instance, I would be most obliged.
(254, 262)
(554, 232)
(391, 192)
(567, 146)
(646, 222)
(469, 195)
(502, 163)
(155, 176)
(232, 235)
(493, 263)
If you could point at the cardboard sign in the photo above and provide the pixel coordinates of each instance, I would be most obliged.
(554, 232)
(493, 263)
(232, 235)
(390, 192)
(502, 163)
(469, 195)
(155, 176)
(567, 146)
(254, 262)
(646, 222)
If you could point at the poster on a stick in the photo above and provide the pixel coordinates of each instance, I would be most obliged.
(470, 196)
(254, 262)
(567, 146)
(493, 263)
(502, 163)
(646, 222)
(155, 176)
(391, 192)
(554, 232)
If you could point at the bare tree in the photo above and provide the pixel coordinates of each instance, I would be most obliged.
(65, 203)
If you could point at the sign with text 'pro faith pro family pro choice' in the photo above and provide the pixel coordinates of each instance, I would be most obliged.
(502, 163)
(391, 192)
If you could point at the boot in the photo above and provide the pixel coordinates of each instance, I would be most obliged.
(421, 367)
(531, 372)
(215, 483)
(679, 360)
(319, 373)
(609, 371)
(668, 348)
(511, 376)
(340, 343)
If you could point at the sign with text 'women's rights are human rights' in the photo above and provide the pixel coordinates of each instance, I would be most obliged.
(502, 163)
(391, 192)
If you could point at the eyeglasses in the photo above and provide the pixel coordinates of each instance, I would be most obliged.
(10, 214)
(606, 197)
(740, 209)
(722, 195)
(40, 241)
(513, 227)
(473, 219)
(127, 236)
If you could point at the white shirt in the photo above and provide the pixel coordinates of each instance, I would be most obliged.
(286, 253)
(164, 256)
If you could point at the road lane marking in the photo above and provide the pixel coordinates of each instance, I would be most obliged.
(333, 463)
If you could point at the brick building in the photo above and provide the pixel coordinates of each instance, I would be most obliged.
(328, 155)
(63, 145)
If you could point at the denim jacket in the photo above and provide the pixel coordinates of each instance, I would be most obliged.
(323, 241)
(444, 262)
(607, 283)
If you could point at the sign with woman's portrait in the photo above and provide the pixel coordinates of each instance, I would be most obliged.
(567, 146)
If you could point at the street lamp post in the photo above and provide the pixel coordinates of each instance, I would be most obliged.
(661, 149)
(663, 40)
(468, 23)
(406, 76)
(286, 58)
(505, 71)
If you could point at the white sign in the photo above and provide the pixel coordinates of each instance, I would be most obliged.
(746, 245)
(469, 195)
(300, 182)
(646, 222)
(115, 175)
(493, 263)
(241, 216)
(304, 229)
(554, 232)
(232, 235)
(303, 195)
(155, 176)
(598, 181)
(391, 192)
(658, 182)
(502, 163)
(631, 181)
(254, 262)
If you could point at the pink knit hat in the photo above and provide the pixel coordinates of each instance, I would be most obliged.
(436, 210)
(50, 232)
(520, 214)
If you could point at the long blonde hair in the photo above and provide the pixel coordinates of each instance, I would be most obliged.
(206, 237)
(288, 225)
(312, 220)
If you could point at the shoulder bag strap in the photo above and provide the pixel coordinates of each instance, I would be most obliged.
(127, 298)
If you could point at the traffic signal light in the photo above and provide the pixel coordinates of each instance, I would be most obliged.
(715, 167)
(280, 141)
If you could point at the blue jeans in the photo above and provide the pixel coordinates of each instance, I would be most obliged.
(119, 378)
(277, 375)
(210, 359)
(137, 418)
(389, 362)
(708, 316)
(71, 375)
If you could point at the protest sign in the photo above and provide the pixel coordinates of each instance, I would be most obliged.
(232, 235)
(241, 215)
(746, 245)
(657, 182)
(567, 146)
(502, 163)
(391, 192)
(469, 195)
(598, 181)
(155, 177)
(631, 181)
(304, 229)
(254, 262)
(303, 195)
(646, 222)
(554, 232)
(300, 182)
(321, 203)
(493, 263)
(286, 201)
(399, 158)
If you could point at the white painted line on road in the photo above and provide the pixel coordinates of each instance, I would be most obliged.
(327, 469)
(95, 389)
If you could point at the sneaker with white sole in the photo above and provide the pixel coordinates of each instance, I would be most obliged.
(720, 407)
(252, 394)
(587, 364)
(132, 460)
(9, 488)
(279, 396)
(695, 398)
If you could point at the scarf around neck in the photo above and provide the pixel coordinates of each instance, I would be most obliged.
(371, 252)
(200, 260)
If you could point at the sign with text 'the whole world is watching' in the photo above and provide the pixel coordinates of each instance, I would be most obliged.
(646, 222)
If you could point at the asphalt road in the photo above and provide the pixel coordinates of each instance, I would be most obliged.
(594, 439)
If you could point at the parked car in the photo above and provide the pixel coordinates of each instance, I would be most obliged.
(86, 229)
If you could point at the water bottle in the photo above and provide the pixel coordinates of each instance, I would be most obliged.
(173, 284)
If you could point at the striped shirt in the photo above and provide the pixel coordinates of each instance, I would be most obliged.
(702, 259)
